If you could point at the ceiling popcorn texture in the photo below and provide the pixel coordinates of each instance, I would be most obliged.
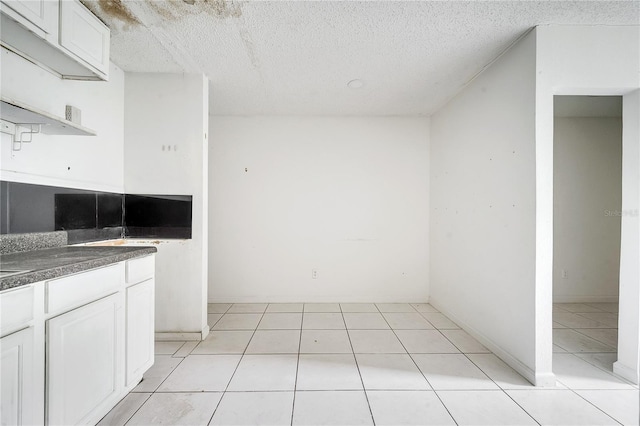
(296, 57)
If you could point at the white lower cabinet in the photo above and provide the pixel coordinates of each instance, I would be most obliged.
(72, 347)
(84, 362)
(140, 330)
(17, 385)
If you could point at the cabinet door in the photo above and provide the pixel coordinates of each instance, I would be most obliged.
(140, 330)
(84, 372)
(41, 13)
(16, 369)
(84, 35)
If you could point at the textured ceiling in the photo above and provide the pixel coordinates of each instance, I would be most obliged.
(296, 57)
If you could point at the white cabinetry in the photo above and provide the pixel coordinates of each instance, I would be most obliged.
(84, 35)
(21, 357)
(84, 362)
(39, 16)
(16, 370)
(140, 316)
(60, 35)
(140, 326)
(99, 342)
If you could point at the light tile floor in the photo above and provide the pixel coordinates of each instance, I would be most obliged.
(384, 364)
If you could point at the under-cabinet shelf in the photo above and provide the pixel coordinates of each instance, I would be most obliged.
(21, 114)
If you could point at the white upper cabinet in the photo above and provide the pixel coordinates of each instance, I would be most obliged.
(43, 14)
(84, 35)
(62, 36)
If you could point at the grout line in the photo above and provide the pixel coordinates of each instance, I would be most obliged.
(237, 365)
(295, 383)
(577, 330)
(134, 413)
(575, 354)
(225, 311)
(591, 403)
(599, 367)
(184, 348)
(172, 371)
(521, 407)
(500, 387)
(421, 372)
(355, 359)
(254, 331)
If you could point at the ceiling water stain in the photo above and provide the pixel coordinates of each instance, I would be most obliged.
(224, 9)
(116, 9)
(117, 15)
(166, 10)
(175, 10)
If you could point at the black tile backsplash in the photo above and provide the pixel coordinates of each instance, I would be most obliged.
(156, 216)
(75, 211)
(109, 210)
(91, 215)
(153, 215)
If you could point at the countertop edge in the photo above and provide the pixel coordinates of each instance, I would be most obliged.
(27, 278)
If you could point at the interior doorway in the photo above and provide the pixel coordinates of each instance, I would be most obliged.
(587, 238)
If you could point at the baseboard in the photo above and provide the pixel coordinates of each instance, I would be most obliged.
(272, 299)
(545, 380)
(163, 336)
(585, 299)
(540, 379)
(626, 372)
(205, 332)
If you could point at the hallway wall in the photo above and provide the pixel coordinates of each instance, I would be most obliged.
(482, 208)
(587, 208)
(589, 60)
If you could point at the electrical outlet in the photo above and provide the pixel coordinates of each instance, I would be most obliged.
(565, 274)
(314, 274)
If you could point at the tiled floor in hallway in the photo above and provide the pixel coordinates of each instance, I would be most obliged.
(383, 364)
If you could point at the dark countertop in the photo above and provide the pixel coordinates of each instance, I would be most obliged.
(46, 264)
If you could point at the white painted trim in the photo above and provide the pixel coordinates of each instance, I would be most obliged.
(541, 380)
(205, 332)
(328, 299)
(585, 299)
(164, 337)
(626, 372)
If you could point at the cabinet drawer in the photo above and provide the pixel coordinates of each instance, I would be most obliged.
(140, 269)
(16, 309)
(84, 287)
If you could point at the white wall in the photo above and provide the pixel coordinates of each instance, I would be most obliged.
(588, 60)
(171, 110)
(86, 162)
(628, 363)
(345, 196)
(587, 201)
(482, 207)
